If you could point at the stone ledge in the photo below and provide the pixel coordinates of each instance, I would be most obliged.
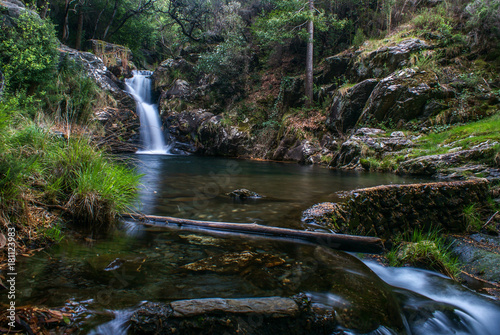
(387, 210)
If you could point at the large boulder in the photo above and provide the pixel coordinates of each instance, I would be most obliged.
(348, 155)
(199, 131)
(404, 95)
(221, 140)
(292, 91)
(333, 68)
(13, 8)
(346, 108)
(95, 69)
(169, 71)
(387, 59)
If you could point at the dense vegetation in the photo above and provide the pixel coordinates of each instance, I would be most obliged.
(49, 168)
(250, 53)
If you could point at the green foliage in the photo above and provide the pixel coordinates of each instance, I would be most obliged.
(472, 218)
(426, 250)
(28, 52)
(228, 62)
(73, 96)
(288, 20)
(444, 138)
(359, 38)
(484, 18)
(71, 173)
(426, 61)
(53, 233)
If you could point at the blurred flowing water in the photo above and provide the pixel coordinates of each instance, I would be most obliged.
(151, 130)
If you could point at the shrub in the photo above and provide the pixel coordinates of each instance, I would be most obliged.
(484, 18)
(73, 96)
(28, 52)
(41, 167)
(472, 218)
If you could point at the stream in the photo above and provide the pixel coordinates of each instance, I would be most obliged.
(104, 277)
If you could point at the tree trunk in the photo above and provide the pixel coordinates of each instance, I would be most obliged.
(65, 32)
(335, 241)
(115, 9)
(44, 9)
(309, 58)
(79, 31)
(99, 19)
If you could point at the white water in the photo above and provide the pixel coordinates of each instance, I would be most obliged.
(151, 130)
(454, 309)
(117, 326)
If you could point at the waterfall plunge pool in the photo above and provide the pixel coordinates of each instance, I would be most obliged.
(119, 270)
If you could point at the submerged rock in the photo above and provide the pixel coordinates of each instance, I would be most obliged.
(480, 255)
(234, 262)
(351, 297)
(271, 315)
(243, 193)
(326, 215)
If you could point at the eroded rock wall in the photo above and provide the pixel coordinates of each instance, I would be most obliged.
(387, 210)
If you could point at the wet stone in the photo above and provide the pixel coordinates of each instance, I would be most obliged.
(274, 306)
(234, 262)
(243, 193)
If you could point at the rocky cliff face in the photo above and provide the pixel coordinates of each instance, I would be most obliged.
(121, 123)
(403, 84)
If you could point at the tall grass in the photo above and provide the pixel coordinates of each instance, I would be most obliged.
(71, 174)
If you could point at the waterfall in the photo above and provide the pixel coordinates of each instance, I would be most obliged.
(151, 132)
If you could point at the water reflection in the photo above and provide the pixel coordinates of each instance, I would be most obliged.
(196, 188)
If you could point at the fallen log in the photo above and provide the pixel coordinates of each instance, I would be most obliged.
(343, 242)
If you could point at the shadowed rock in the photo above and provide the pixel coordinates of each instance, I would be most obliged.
(386, 210)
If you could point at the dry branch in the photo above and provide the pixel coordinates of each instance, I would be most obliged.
(336, 241)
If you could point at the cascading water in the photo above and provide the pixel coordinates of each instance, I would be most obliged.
(152, 137)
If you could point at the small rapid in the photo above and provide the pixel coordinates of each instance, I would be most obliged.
(151, 130)
(435, 304)
(117, 326)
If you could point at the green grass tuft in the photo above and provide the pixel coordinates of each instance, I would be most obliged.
(425, 250)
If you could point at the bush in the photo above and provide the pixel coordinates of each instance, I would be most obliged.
(73, 96)
(484, 18)
(28, 52)
(94, 188)
(229, 63)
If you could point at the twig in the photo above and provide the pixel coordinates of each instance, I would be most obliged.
(491, 218)
(51, 206)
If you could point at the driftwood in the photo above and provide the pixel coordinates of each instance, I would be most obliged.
(336, 241)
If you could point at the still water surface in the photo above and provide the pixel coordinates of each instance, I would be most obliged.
(196, 188)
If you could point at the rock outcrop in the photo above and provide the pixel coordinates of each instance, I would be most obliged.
(346, 108)
(386, 211)
(384, 60)
(199, 131)
(403, 96)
